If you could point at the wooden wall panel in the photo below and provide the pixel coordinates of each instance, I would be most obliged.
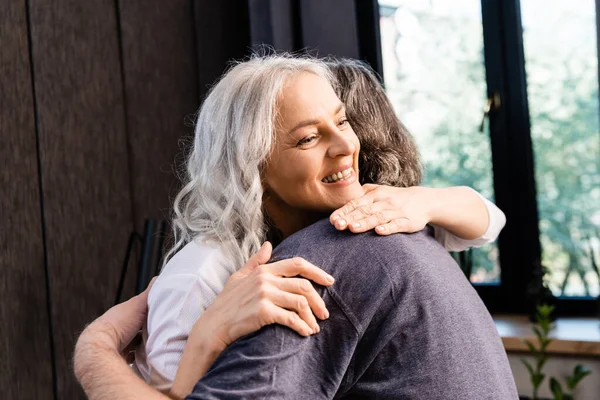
(25, 361)
(159, 68)
(83, 153)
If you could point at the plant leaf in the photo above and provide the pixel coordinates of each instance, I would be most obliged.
(544, 343)
(579, 373)
(531, 347)
(556, 389)
(537, 379)
(540, 335)
(581, 370)
(541, 361)
(528, 365)
(545, 310)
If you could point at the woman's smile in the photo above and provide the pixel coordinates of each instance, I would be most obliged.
(340, 176)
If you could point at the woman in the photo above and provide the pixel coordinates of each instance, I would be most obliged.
(274, 152)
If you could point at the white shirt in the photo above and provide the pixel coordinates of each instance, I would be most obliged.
(194, 277)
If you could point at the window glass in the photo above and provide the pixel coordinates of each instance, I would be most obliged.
(561, 61)
(435, 77)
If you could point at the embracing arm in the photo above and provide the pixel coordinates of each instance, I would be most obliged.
(277, 363)
(467, 218)
(463, 218)
(255, 296)
(106, 376)
(98, 363)
(465, 213)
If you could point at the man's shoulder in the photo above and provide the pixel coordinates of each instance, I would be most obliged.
(325, 243)
(373, 272)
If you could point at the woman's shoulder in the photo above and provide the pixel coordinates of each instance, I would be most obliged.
(192, 258)
(197, 264)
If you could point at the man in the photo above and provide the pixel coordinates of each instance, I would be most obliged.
(404, 323)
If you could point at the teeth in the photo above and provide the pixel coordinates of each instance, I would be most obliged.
(338, 176)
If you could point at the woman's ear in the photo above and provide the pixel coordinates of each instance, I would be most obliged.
(264, 184)
(266, 196)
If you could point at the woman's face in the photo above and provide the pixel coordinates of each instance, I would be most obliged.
(314, 165)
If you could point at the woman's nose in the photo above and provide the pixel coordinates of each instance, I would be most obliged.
(341, 144)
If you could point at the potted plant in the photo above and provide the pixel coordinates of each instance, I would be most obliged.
(541, 328)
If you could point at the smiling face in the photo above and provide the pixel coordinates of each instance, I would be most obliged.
(313, 168)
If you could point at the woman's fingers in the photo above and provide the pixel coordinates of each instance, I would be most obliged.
(278, 315)
(363, 220)
(304, 288)
(261, 257)
(339, 217)
(395, 226)
(299, 266)
(297, 303)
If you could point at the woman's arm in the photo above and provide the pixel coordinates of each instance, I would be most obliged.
(255, 296)
(460, 211)
(461, 230)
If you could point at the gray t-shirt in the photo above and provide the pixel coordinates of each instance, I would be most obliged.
(404, 324)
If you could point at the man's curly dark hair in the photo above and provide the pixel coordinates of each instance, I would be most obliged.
(388, 154)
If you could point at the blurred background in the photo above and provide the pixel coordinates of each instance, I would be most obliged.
(97, 102)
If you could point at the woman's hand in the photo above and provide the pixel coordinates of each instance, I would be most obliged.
(386, 209)
(259, 294)
(459, 210)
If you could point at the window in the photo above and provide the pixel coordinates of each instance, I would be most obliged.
(562, 88)
(538, 155)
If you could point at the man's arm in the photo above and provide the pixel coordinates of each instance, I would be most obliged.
(105, 375)
(276, 362)
(98, 363)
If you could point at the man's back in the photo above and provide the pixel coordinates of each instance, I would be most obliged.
(405, 323)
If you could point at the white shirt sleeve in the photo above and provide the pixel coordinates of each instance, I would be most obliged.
(451, 242)
(186, 287)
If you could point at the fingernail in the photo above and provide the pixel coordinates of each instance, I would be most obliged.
(326, 314)
(330, 278)
(381, 228)
(356, 225)
(316, 329)
(342, 223)
(335, 218)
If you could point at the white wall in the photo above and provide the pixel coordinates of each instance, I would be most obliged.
(558, 367)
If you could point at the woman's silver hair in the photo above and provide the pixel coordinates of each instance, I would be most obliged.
(222, 197)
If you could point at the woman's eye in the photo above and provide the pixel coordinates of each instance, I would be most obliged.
(306, 140)
(343, 122)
